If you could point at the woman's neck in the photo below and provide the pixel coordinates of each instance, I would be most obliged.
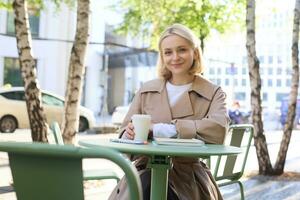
(181, 80)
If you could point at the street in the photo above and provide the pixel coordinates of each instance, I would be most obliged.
(93, 191)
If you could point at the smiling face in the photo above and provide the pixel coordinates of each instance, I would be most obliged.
(177, 54)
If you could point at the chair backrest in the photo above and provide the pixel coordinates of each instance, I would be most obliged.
(45, 171)
(57, 133)
(233, 166)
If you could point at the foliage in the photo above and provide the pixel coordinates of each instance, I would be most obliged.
(37, 4)
(151, 17)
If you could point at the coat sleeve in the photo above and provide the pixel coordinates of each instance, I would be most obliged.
(135, 108)
(213, 127)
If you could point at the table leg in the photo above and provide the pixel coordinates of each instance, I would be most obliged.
(160, 166)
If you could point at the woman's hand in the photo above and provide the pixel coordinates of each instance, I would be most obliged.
(129, 132)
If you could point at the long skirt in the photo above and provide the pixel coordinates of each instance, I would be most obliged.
(189, 179)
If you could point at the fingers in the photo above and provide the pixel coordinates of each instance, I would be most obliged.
(129, 132)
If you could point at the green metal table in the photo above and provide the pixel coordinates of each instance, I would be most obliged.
(161, 158)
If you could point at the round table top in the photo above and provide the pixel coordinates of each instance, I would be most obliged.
(151, 148)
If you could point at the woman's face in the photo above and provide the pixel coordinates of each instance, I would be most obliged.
(177, 54)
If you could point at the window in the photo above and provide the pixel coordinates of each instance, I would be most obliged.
(278, 83)
(226, 81)
(261, 59)
(219, 70)
(280, 96)
(261, 71)
(244, 70)
(240, 96)
(270, 59)
(34, 21)
(270, 71)
(51, 100)
(211, 71)
(288, 82)
(12, 72)
(243, 82)
(279, 71)
(265, 96)
(270, 82)
(15, 95)
(236, 82)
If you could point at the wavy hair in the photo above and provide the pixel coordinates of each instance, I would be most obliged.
(186, 33)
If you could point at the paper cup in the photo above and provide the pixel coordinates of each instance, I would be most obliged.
(141, 124)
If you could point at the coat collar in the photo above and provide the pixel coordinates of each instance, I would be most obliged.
(200, 85)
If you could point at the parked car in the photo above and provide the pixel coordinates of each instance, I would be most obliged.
(13, 112)
(119, 115)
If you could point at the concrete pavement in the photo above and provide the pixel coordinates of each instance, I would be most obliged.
(256, 187)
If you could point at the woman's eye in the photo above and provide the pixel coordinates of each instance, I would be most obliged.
(167, 53)
(182, 50)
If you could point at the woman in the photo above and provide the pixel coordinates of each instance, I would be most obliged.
(182, 104)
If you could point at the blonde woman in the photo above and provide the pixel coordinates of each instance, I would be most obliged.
(182, 104)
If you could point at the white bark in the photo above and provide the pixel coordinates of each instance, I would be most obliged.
(288, 128)
(265, 166)
(36, 115)
(76, 73)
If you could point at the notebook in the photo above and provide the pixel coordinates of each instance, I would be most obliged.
(177, 141)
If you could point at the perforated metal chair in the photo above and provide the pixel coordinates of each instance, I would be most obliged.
(229, 169)
(92, 174)
(45, 171)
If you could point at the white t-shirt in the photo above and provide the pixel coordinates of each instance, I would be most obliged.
(174, 93)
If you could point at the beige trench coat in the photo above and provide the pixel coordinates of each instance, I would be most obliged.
(199, 113)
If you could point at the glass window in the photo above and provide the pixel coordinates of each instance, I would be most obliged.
(211, 70)
(280, 96)
(51, 100)
(218, 81)
(265, 96)
(270, 82)
(226, 81)
(244, 70)
(34, 21)
(288, 82)
(261, 71)
(270, 71)
(12, 72)
(261, 59)
(219, 70)
(243, 82)
(15, 95)
(235, 81)
(278, 83)
(279, 71)
(240, 96)
(279, 60)
(270, 59)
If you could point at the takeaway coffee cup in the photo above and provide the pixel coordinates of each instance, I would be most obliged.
(141, 124)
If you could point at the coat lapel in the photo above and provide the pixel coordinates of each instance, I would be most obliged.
(183, 107)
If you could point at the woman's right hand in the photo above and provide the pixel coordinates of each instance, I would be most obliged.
(129, 131)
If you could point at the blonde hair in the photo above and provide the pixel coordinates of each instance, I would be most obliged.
(186, 33)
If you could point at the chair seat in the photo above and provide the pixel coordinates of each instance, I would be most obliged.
(96, 174)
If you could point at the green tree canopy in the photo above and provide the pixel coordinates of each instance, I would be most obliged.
(151, 17)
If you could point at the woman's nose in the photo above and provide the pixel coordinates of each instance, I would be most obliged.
(175, 56)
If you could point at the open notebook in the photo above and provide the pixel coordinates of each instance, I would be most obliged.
(176, 141)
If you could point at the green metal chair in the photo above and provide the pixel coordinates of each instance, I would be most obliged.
(87, 174)
(240, 136)
(48, 172)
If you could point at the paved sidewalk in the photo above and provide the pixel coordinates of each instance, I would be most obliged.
(256, 187)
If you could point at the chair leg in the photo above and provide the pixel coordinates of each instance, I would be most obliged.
(241, 190)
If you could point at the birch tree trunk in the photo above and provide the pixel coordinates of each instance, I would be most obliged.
(33, 98)
(289, 124)
(76, 73)
(262, 153)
